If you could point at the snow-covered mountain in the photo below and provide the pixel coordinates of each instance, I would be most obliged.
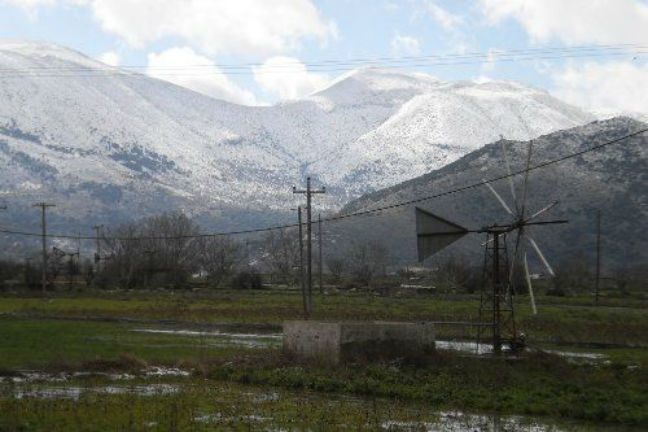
(106, 144)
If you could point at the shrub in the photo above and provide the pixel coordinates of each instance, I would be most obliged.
(247, 280)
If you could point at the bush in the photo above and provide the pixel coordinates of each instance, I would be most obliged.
(247, 280)
(557, 292)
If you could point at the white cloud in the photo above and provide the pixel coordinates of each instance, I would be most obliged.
(111, 58)
(287, 78)
(182, 66)
(448, 20)
(30, 4)
(255, 27)
(604, 86)
(406, 45)
(574, 21)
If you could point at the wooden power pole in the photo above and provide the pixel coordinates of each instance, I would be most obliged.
(301, 264)
(99, 233)
(309, 245)
(43, 205)
(598, 256)
(319, 245)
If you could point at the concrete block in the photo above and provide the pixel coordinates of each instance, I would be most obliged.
(335, 342)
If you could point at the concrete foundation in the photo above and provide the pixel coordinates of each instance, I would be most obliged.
(336, 342)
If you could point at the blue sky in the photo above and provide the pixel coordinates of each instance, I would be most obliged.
(290, 41)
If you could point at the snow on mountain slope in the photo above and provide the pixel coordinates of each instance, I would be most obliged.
(121, 144)
(446, 122)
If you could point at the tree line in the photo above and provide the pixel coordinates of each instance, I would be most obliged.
(167, 251)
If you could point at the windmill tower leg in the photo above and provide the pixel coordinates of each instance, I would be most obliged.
(496, 307)
(497, 292)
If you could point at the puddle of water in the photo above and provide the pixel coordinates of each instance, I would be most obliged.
(469, 347)
(485, 348)
(159, 371)
(218, 417)
(444, 422)
(209, 418)
(224, 339)
(76, 392)
(458, 422)
(583, 355)
(216, 333)
(263, 397)
(28, 377)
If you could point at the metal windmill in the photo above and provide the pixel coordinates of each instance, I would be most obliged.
(435, 233)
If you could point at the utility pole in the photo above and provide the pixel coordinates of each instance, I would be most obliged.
(99, 233)
(598, 255)
(149, 271)
(43, 205)
(71, 269)
(309, 246)
(27, 272)
(319, 244)
(247, 254)
(301, 264)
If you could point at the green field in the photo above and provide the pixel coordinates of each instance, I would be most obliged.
(128, 332)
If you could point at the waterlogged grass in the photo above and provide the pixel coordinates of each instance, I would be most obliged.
(38, 344)
(539, 385)
(94, 331)
(199, 405)
(561, 320)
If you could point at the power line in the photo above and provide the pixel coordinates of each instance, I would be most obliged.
(348, 215)
(337, 65)
(476, 54)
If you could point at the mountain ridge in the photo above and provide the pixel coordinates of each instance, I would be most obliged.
(107, 144)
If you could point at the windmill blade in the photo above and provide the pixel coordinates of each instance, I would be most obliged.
(499, 198)
(508, 173)
(541, 211)
(526, 179)
(541, 256)
(528, 281)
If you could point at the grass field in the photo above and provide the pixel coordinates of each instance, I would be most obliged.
(196, 331)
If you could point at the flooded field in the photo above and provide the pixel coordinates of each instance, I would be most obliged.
(256, 409)
(216, 364)
(254, 339)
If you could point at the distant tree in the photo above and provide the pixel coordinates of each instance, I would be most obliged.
(220, 257)
(171, 246)
(336, 266)
(247, 279)
(455, 273)
(87, 270)
(280, 253)
(573, 274)
(163, 245)
(55, 264)
(366, 260)
(124, 261)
